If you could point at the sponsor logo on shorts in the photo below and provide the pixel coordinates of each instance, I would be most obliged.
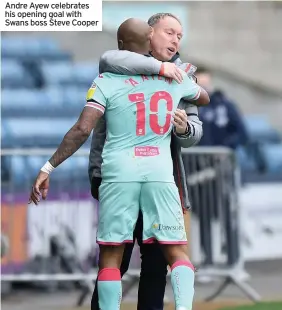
(168, 227)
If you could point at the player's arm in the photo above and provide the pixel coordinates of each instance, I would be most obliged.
(79, 133)
(76, 136)
(201, 97)
(202, 100)
(129, 63)
(73, 140)
(194, 93)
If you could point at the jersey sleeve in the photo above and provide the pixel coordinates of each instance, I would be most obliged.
(95, 97)
(191, 90)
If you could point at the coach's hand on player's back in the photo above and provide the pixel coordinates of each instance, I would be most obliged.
(39, 188)
(170, 70)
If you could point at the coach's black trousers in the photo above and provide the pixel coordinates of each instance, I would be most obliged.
(153, 273)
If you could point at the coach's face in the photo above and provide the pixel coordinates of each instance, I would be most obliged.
(166, 39)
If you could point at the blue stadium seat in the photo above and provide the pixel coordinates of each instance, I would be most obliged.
(260, 130)
(19, 173)
(23, 170)
(13, 75)
(5, 137)
(34, 163)
(12, 46)
(58, 73)
(55, 102)
(31, 103)
(74, 98)
(272, 154)
(31, 132)
(29, 47)
(73, 167)
(85, 73)
(36, 132)
(246, 162)
(69, 74)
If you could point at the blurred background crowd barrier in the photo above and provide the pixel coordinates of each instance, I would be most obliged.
(236, 194)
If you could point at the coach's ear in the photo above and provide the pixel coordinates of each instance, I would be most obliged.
(151, 33)
(120, 44)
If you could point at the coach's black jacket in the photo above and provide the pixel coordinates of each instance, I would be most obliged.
(124, 62)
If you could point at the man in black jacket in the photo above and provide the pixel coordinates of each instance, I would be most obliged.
(222, 121)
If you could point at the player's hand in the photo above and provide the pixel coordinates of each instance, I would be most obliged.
(180, 121)
(39, 188)
(170, 70)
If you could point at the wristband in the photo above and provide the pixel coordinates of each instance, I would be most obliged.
(48, 168)
(162, 70)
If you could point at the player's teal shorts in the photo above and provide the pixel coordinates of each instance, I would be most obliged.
(119, 208)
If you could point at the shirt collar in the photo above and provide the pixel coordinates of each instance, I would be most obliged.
(176, 56)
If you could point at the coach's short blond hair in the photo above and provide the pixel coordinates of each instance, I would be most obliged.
(154, 19)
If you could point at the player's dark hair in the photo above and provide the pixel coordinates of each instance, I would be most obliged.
(154, 19)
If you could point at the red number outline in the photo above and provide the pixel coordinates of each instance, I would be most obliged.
(139, 99)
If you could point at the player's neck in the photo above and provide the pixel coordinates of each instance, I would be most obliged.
(141, 51)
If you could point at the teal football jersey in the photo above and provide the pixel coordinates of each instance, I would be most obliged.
(138, 112)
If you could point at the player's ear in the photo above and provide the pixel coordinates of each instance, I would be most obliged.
(120, 44)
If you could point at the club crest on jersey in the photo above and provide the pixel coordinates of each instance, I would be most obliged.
(91, 91)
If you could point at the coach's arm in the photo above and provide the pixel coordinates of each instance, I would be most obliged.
(130, 63)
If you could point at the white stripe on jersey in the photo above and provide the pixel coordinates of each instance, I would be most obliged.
(96, 106)
(197, 95)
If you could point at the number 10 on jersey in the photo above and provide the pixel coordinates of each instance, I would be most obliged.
(139, 99)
